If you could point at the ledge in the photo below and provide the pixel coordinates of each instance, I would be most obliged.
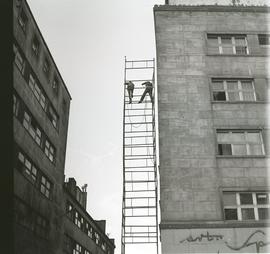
(212, 224)
(213, 8)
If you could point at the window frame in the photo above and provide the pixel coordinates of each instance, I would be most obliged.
(23, 21)
(35, 45)
(233, 45)
(239, 207)
(240, 89)
(247, 144)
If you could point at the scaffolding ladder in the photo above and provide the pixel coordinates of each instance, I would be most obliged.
(140, 196)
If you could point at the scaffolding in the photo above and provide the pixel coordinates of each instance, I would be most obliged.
(140, 196)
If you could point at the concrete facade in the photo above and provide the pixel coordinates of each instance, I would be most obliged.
(193, 175)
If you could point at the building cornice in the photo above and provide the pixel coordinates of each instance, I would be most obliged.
(213, 8)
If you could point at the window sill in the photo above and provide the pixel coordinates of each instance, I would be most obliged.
(239, 102)
(240, 156)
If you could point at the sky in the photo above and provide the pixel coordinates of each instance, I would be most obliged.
(88, 41)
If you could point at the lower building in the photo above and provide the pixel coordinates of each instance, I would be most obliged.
(82, 234)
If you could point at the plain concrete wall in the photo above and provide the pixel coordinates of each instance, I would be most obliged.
(191, 175)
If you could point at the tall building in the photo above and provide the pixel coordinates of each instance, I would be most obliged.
(81, 232)
(212, 101)
(41, 114)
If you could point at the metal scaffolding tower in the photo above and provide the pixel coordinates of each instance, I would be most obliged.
(140, 196)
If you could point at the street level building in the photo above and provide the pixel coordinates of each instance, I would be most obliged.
(213, 150)
(82, 234)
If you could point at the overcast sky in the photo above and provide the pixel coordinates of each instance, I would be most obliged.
(88, 40)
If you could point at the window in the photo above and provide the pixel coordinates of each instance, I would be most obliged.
(35, 45)
(46, 67)
(55, 86)
(227, 44)
(69, 210)
(41, 226)
(15, 105)
(264, 39)
(78, 220)
(240, 142)
(233, 90)
(29, 218)
(27, 167)
(45, 186)
(39, 94)
(246, 206)
(52, 116)
(19, 60)
(97, 237)
(30, 125)
(78, 249)
(89, 230)
(22, 19)
(49, 150)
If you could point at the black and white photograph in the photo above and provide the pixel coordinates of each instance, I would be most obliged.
(140, 126)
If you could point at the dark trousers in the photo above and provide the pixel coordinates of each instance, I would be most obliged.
(130, 94)
(149, 91)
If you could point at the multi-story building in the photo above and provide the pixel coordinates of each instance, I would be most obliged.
(213, 151)
(82, 233)
(41, 114)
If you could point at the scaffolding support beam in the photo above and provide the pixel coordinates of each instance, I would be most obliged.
(140, 195)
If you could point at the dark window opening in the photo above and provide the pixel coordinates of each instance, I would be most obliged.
(230, 214)
(35, 45)
(219, 96)
(264, 39)
(224, 149)
(246, 199)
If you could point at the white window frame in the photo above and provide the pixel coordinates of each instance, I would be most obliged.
(254, 206)
(240, 89)
(233, 44)
(246, 143)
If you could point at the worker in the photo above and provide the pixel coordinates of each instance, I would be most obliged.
(148, 89)
(130, 88)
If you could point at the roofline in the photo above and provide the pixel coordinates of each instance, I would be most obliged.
(43, 40)
(66, 190)
(213, 8)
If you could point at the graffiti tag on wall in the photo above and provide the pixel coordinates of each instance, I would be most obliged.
(206, 236)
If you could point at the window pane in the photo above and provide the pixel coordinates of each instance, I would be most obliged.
(219, 96)
(27, 164)
(248, 214)
(239, 150)
(233, 96)
(232, 85)
(226, 40)
(240, 41)
(247, 85)
(262, 198)
(227, 50)
(263, 213)
(217, 85)
(224, 149)
(248, 96)
(21, 157)
(246, 199)
(255, 150)
(230, 214)
(241, 50)
(253, 137)
(222, 137)
(237, 137)
(229, 199)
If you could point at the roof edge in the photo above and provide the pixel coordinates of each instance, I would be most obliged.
(213, 8)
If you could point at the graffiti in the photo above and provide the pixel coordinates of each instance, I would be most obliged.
(247, 243)
(207, 236)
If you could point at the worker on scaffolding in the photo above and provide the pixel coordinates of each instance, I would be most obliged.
(148, 89)
(130, 88)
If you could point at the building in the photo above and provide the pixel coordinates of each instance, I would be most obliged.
(49, 214)
(213, 150)
(82, 233)
(41, 114)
